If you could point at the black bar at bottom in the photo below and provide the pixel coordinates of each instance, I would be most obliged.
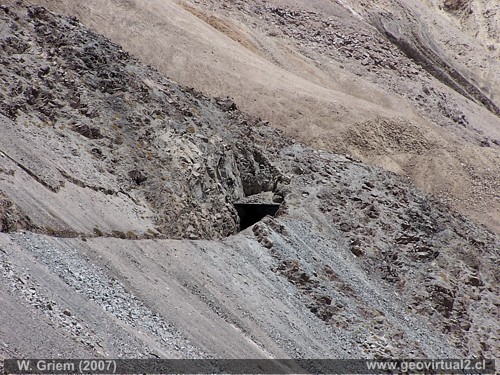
(248, 366)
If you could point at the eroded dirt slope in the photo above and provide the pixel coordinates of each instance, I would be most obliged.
(410, 86)
(120, 235)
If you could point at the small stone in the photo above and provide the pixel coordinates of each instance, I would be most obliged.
(267, 243)
(357, 251)
(344, 227)
(474, 281)
(326, 300)
(278, 198)
(137, 176)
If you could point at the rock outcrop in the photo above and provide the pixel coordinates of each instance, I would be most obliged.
(120, 235)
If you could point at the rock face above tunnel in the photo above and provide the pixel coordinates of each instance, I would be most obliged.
(108, 174)
(123, 132)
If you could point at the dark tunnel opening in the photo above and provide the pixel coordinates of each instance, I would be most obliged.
(251, 213)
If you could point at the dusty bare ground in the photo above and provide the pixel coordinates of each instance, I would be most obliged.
(120, 236)
(410, 86)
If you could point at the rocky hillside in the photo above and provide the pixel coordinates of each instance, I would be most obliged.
(121, 238)
(411, 86)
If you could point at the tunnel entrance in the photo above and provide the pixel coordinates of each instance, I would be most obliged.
(251, 213)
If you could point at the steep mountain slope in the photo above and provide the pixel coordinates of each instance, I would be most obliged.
(410, 86)
(120, 236)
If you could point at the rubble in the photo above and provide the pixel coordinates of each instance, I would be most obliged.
(356, 262)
